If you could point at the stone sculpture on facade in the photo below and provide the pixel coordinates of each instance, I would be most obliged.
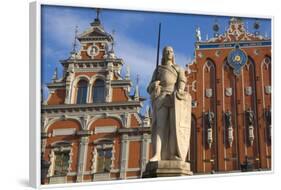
(228, 125)
(171, 116)
(268, 121)
(250, 117)
(210, 123)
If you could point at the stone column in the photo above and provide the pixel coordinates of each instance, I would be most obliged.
(124, 156)
(144, 152)
(83, 149)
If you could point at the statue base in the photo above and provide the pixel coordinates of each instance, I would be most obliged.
(167, 168)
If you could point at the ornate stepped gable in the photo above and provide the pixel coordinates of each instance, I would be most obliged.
(89, 119)
(229, 129)
(96, 57)
(236, 32)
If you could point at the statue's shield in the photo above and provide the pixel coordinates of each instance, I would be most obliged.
(183, 124)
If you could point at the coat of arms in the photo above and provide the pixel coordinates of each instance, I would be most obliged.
(248, 91)
(209, 92)
(228, 91)
(267, 89)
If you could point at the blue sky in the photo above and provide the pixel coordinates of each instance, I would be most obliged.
(135, 36)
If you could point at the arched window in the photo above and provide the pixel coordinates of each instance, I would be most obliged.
(98, 91)
(82, 92)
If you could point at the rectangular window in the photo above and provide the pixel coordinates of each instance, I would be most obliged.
(61, 163)
(104, 160)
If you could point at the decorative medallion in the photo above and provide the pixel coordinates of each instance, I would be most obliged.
(218, 53)
(237, 59)
(209, 92)
(228, 91)
(200, 54)
(248, 91)
(93, 50)
(267, 89)
(256, 51)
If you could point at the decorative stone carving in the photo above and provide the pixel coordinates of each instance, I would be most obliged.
(268, 121)
(248, 91)
(237, 58)
(250, 119)
(228, 91)
(256, 51)
(228, 125)
(60, 132)
(209, 120)
(200, 54)
(218, 53)
(210, 137)
(126, 118)
(171, 117)
(198, 34)
(267, 89)
(105, 129)
(209, 92)
(193, 86)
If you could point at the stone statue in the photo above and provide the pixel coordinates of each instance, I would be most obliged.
(268, 116)
(171, 104)
(228, 122)
(210, 118)
(198, 34)
(250, 114)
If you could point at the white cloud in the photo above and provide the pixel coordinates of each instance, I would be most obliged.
(60, 26)
(142, 58)
(139, 56)
(45, 91)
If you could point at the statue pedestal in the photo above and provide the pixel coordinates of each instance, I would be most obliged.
(167, 168)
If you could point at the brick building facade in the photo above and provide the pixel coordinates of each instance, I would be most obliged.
(91, 125)
(92, 128)
(231, 113)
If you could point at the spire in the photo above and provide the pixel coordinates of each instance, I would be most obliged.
(55, 75)
(257, 27)
(216, 28)
(137, 94)
(97, 19)
(112, 42)
(198, 34)
(127, 76)
(73, 52)
(75, 39)
(147, 112)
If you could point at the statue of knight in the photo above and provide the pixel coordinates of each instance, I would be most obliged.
(171, 104)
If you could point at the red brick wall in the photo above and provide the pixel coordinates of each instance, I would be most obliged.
(261, 147)
(57, 97)
(134, 122)
(118, 95)
(134, 154)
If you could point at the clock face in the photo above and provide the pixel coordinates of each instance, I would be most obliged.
(93, 50)
(237, 58)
